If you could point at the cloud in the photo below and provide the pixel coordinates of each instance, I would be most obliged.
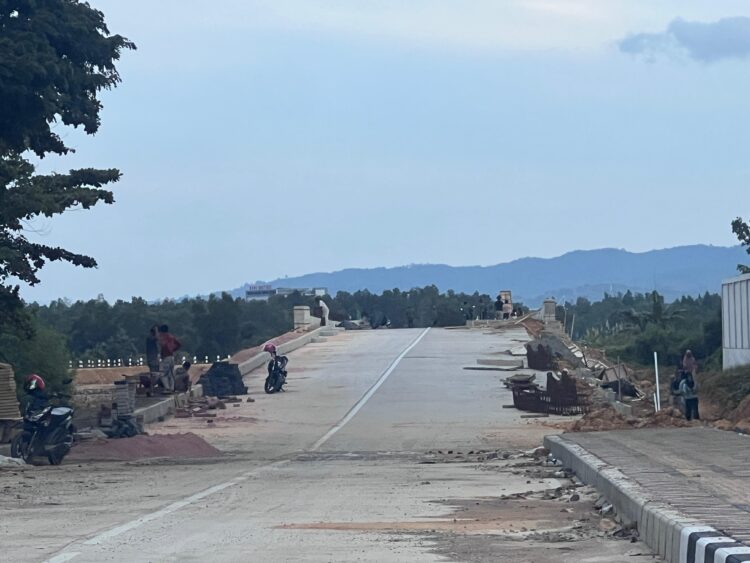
(727, 38)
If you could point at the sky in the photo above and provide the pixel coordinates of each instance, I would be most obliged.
(265, 138)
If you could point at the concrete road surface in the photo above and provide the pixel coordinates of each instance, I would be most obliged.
(382, 449)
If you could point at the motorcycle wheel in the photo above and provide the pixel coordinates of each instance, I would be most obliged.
(20, 445)
(270, 385)
(60, 436)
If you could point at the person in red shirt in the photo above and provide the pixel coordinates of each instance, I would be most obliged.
(169, 345)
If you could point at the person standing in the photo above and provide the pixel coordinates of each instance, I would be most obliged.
(689, 363)
(152, 350)
(499, 307)
(323, 311)
(507, 309)
(689, 392)
(169, 345)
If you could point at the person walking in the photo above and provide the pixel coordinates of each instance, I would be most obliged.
(169, 345)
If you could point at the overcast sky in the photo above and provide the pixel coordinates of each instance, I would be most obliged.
(267, 138)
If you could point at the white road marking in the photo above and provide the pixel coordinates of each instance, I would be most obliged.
(366, 397)
(121, 529)
(133, 524)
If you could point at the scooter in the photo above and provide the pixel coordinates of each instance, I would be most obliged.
(48, 432)
(276, 374)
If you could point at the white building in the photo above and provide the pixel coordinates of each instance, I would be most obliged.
(264, 291)
(735, 303)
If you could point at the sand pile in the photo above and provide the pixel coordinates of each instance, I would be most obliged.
(142, 447)
(607, 418)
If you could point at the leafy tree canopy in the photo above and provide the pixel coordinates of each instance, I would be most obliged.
(742, 230)
(56, 56)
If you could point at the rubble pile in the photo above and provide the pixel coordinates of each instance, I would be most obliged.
(737, 420)
(607, 418)
(222, 380)
(200, 407)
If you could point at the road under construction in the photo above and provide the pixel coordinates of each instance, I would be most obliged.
(383, 448)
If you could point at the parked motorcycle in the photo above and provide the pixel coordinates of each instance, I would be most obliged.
(276, 374)
(48, 432)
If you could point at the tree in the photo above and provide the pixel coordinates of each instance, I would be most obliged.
(742, 230)
(56, 56)
(44, 353)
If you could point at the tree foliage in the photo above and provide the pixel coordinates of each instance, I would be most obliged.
(44, 352)
(222, 325)
(742, 230)
(56, 56)
(634, 326)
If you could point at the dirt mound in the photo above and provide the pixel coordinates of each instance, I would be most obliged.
(107, 376)
(607, 418)
(142, 447)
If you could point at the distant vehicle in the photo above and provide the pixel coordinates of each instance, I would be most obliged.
(276, 374)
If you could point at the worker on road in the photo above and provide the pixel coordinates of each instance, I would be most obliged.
(152, 349)
(169, 345)
(323, 311)
(182, 383)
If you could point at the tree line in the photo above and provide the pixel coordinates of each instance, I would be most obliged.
(65, 332)
(634, 326)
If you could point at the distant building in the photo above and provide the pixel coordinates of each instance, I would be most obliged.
(262, 292)
(735, 304)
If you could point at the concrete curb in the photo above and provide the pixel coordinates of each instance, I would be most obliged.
(313, 336)
(166, 407)
(673, 535)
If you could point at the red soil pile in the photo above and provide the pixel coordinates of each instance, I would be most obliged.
(142, 447)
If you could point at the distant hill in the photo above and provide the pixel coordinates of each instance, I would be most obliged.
(684, 270)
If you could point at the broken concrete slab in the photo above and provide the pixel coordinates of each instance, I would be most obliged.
(499, 362)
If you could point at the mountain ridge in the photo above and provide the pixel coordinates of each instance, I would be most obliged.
(677, 271)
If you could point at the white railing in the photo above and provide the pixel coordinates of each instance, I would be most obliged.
(137, 361)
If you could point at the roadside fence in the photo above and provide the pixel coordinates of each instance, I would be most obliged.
(136, 361)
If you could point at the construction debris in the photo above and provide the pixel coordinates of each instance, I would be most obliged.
(199, 407)
(561, 397)
(607, 418)
(222, 380)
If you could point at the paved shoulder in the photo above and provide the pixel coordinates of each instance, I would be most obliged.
(687, 489)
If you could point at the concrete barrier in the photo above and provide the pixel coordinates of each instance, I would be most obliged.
(262, 358)
(673, 535)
